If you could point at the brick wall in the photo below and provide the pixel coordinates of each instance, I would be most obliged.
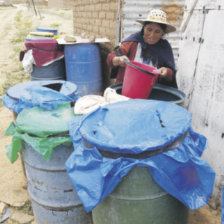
(97, 18)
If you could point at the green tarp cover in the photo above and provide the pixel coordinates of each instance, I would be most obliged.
(42, 129)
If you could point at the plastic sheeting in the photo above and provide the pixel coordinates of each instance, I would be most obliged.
(42, 129)
(142, 126)
(135, 126)
(46, 94)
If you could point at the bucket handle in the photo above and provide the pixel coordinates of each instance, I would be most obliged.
(139, 68)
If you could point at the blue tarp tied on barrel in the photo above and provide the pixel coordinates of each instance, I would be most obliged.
(135, 127)
(46, 94)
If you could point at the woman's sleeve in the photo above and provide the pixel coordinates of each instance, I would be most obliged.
(124, 49)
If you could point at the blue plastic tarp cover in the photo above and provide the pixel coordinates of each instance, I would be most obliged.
(135, 126)
(46, 94)
(143, 128)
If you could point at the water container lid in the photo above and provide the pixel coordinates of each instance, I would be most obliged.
(135, 126)
(40, 122)
(46, 28)
(23, 89)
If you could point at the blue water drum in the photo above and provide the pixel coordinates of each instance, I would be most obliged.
(52, 194)
(83, 67)
(53, 71)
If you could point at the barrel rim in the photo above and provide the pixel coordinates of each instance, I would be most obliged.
(42, 83)
(142, 155)
(165, 88)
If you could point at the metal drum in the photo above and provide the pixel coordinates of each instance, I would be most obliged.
(53, 196)
(139, 200)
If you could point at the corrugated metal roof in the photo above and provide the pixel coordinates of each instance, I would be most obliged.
(133, 10)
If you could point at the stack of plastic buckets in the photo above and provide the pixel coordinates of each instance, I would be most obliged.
(47, 29)
(53, 71)
(42, 30)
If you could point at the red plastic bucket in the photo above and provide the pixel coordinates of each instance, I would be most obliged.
(137, 83)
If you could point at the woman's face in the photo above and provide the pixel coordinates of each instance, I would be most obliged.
(152, 33)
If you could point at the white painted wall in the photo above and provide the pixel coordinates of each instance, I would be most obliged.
(201, 77)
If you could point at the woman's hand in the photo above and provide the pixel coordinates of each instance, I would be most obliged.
(166, 73)
(119, 60)
(163, 71)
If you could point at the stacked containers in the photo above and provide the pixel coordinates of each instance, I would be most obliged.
(41, 135)
(48, 57)
(47, 146)
(47, 29)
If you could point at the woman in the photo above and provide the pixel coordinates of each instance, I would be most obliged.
(147, 46)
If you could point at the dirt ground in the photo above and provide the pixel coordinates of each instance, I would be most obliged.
(16, 22)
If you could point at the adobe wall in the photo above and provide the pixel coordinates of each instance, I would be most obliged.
(97, 18)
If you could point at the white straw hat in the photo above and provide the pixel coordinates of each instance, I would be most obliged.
(158, 16)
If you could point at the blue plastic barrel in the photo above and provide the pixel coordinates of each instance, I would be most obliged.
(46, 29)
(53, 71)
(83, 67)
(52, 194)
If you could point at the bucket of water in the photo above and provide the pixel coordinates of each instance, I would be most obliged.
(139, 79)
